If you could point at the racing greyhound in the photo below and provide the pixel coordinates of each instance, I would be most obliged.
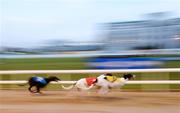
(39, 83)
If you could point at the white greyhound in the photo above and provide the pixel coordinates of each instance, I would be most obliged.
(105, 85)
(101, 81)
(83, 84)
(87, 83)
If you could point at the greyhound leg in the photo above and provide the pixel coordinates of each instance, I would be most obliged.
(33, 91)
(30, 89)
(38, 89)
(78, 89)
(103, 90)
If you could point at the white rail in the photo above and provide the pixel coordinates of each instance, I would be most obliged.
(89, 71)
(72, 82)
(24, 81)
(93, 71)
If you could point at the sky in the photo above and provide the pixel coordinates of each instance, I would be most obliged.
(32, 23)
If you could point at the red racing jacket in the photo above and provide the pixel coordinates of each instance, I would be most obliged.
(91, 80)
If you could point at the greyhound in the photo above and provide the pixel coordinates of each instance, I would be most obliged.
(88, 83)
(82, 84)
(39, 82)
(105, 82)
(105, 85)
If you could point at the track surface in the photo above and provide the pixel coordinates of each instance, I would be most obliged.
(20, 101)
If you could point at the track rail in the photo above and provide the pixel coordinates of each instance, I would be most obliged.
(72, 82)
(89, 71)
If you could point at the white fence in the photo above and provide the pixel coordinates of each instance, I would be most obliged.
(72, 82)
(89, 71)
(94, 71)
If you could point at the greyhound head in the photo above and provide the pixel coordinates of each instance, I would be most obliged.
(128, 76)
(108, 74)
(53, 78)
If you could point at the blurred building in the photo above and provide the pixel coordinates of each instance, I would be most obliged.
(147, 34)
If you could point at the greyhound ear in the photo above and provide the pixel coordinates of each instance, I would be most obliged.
(108, 74)
(125, 75)
(105, 78)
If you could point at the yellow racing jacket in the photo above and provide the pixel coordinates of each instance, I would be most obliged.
(111, 78)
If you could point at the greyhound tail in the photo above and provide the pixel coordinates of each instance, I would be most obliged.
(68, 87)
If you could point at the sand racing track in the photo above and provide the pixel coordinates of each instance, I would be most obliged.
(21, 101)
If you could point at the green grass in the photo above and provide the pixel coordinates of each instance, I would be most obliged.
(78, 63)
(139, 76)
(42, 64)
